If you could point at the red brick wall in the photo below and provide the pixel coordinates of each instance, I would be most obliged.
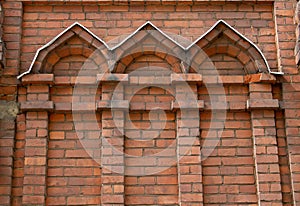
(51, 154)
(42, 22)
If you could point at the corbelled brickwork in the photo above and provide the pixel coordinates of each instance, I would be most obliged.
(149, 103)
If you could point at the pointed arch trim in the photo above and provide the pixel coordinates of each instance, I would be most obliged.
(50, 43)
(160, 31)
(240, 35)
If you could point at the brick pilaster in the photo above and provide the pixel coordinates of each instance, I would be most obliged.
(265, 143)
(189, 158)
(34, 185)
(112, 144)
(36, 110)
(10, 42)
(188, 141)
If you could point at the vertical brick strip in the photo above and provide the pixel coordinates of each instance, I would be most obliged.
(13, 14)
(265, 148)
(7, 133)
(290, 92)
(297, 22)
(36, 147)
(285, 35)
(18, 170)
(188, 152)
(288, 44)
(1, 39)
(112, 157)
(10, 34)
(34, 185)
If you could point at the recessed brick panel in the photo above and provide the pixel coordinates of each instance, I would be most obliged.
(229, 171)
(153, 152)
(72, 175)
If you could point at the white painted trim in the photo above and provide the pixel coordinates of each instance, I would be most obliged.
(156, 28)
(238, 33)
(54, 39)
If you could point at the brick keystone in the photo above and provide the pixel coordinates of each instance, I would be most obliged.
(190, 78)
(188, 105)
(38, 79)
(116, 104)
(262, 104)
(262, 78)
(37, 106)
(112, 77)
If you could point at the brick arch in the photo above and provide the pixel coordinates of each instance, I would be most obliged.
(235, 59)
(156, 59)
(81, 50)
(223, 39)
(148, 40)
(75, 40)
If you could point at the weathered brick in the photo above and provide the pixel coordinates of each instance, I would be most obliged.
(226, 173)
(37, 106)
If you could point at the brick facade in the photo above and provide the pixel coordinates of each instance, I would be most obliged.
(149, 103)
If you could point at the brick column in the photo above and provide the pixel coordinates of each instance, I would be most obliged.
(265, 149)
(287, 25)
(7, 133)
(112, 144)
(10, 17)
(34, 186)
(188, 141)
(35, 164)
(189, 158)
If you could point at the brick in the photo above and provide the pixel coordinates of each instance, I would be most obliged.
(116, 104)
(33, 199)
(85, 80)
(188, 78)
(262, 78)
(34, 180)
(232, 79)
(255, 87)
(35, 161)
(38, 89)
(137, 200)
(37, 106)
(57, 135)
(36, 142)
(239, 179)
(112, 77)
(38, 79)
(78, 172)
(83, 200)
(199, 104)
(76, 153)
(262, 104)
